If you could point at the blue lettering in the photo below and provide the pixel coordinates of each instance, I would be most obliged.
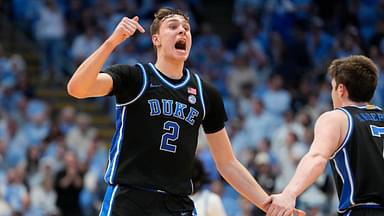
(359, 117)
(366, 116)
(167, 107)
(381, 117)
(373, 117)
(370, 117)
(155, 107)
(173, 108)
(191, 115)
(179, 110)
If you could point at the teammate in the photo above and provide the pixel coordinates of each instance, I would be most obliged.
(207, 202)
(351, 137)
(160, 108)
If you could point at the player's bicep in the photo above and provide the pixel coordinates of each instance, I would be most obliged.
(102, 86)
(327, 135)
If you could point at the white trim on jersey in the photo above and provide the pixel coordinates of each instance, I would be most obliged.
(338, 170)
(349, 172)
(158, 74)
(201, 93)
(359, 204)
(349, 132)
(367, 107)
(108, 201)
(119, 140)
(344, 163)
(142, 89)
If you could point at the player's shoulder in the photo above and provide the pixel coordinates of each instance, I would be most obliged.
(122, 68)
(208, 87)
(332, 117)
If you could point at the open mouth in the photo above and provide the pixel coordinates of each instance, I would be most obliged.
(181, 45)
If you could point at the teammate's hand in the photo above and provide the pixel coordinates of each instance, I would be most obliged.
(283, 204)
(125, 29)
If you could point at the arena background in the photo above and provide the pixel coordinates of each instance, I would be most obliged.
(268, 58)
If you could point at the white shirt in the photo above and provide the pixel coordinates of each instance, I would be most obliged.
(208, 203)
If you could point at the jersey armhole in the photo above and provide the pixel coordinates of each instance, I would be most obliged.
(347, 135)
(201, 96)
(145, 81)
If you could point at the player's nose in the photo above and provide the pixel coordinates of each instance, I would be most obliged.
(182, 30)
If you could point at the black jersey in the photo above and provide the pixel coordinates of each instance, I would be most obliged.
(358, 164)
(157, 124)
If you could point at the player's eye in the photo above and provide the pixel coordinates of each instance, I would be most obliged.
(186, 27)
(173, 26)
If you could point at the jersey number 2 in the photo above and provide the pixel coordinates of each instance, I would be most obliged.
(377, 132)
(172, 134)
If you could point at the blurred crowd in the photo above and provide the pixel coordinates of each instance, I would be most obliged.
(270, 70)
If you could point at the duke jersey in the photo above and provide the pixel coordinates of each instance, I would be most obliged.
(358, 164)
(157, 124)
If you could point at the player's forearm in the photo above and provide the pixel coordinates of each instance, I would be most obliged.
(309, 169)
(239, 178)
(86, 74)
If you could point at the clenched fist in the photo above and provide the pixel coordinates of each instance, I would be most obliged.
(125, 29)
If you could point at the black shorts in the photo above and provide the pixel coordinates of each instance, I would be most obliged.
(365, 212)
(128, 201)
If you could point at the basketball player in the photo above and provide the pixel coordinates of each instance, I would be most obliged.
(160, 108)
(351, 137)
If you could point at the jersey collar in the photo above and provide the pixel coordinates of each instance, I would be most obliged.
(163, 79)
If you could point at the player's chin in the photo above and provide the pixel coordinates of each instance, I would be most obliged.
(181, 56)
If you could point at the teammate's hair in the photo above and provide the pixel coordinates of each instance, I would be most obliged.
(358, 74)
(199, 175)
(162, 14)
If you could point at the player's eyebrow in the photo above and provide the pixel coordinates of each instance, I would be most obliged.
(176, 20)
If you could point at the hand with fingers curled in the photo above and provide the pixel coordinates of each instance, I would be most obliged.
(283, 204)
(125, 29)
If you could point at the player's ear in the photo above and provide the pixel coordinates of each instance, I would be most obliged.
(155, 40)
(342, 90)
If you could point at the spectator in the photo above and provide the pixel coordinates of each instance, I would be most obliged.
(80, 137)
(68, 184)
(50, 32)
(44, 197)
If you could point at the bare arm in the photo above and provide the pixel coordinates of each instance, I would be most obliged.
(87, 81)
(329, 132)
(233, 171)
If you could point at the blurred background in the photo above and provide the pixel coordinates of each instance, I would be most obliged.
(268, 58)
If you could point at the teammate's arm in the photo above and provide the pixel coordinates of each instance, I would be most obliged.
(328, 136)
(87, 81)
(233, 171)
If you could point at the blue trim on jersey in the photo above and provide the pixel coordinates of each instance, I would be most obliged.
(194, 213)
(342, 164)
(201, 93)
(117, 139)
(158, 74)
(349, 132)
(109, 197)
(142, 90)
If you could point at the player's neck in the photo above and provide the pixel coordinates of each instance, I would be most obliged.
(352, 103)
(171, 69)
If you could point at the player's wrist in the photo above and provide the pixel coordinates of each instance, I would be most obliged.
(111, 43)
(290, 193)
